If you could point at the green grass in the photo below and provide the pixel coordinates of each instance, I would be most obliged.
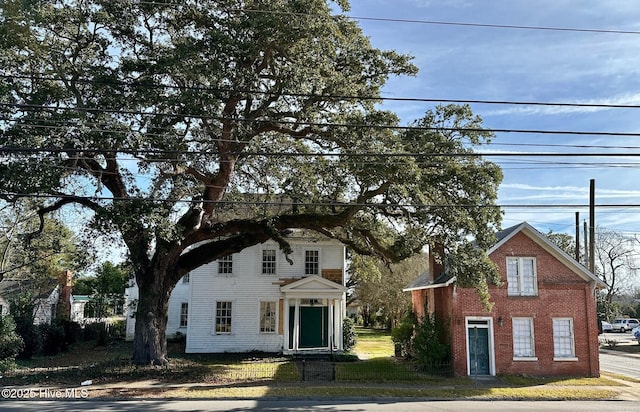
(377, 375)
(373, 343)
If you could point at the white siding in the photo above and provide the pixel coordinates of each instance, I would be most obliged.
(245, 288)
(179, 295)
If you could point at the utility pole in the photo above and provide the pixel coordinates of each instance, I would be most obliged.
(592, 225)
(585, 261)
(578, 237)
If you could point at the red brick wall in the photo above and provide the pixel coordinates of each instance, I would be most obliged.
(561, 293)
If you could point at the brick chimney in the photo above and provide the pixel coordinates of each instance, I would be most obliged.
(64, 302)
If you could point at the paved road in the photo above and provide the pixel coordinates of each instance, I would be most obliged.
(316, 405)
(618, 362)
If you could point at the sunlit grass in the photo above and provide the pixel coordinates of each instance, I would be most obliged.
(254, 392)
(373, 343)
(536, 381)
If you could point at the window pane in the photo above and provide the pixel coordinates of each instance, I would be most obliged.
(563, 338)
(523, 337)
(512, 277)
(223, 317)
(267, 317)
(528, 278)
(311, 262)
(225, 265)
(268, 262)
(184, 314)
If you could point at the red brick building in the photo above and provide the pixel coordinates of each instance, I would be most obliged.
(543, 321)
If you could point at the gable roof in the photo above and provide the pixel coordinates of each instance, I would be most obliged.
(313, 284)
(424, 282)
(541, 240)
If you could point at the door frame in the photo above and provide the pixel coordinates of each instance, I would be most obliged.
(483, 322)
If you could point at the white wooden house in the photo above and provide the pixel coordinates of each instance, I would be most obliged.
(255, 300)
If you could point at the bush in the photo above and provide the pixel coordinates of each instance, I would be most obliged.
(401, 336)
(72, 331)
(428, 349)
(348, 334)
(53, 338)
(118, 329)
(30, 336)
(11, 343)
(97, 332)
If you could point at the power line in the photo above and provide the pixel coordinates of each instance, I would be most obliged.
(331, 96)
(321, 204)
(314, 124)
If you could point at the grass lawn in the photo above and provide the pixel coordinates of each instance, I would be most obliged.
(373, 343)
(377, 374)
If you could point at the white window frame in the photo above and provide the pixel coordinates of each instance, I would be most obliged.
(307, 262)
(266, 264)
(516, 282)
(268, 316)
(223, 310)
(185, 278)
(564, 347)
(184, 314)
(225, 265)
(523, 337)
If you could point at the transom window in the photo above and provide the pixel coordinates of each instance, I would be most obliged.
(223, 317)
(267, 317)
(563, 342)
(521, 276)
(523, 344)
(311, 262)
(225, 265)
(184, 314)
(268, 261)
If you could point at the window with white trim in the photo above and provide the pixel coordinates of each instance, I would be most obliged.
(523, 343)
(521, 276)
(184, 314)
(225, 265)
(268, 261)
(267, 317)
(312, 262)
(223, 317)
(563, 340)
(185, 278)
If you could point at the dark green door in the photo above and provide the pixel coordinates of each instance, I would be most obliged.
(478, 351)
(313, 326)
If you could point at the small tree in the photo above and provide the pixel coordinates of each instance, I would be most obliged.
(11, 343)
(349, 338)
(427, 344)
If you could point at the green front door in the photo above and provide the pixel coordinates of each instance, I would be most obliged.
(314, 326)
(478, 351)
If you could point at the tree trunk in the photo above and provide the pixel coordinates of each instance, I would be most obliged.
(150, 341)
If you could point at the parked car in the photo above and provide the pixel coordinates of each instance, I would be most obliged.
(606, 326)
(624, 324)
(636, 333)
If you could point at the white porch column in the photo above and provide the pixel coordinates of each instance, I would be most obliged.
(285, 324)
(296, 325)
(338, 315)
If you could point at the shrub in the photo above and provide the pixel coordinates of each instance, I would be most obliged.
(97, 332)
(53, 338)
(401, 336)
(118, 329)
(30, 336)
(11, 343)
(348, 334)
(428, 348)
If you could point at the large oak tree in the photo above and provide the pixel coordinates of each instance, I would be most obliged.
(195, 129)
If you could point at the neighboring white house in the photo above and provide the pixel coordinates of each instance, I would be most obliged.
(78, 302)
(255, 300)
(45, 302)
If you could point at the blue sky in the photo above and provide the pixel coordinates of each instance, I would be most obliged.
(502, 64)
